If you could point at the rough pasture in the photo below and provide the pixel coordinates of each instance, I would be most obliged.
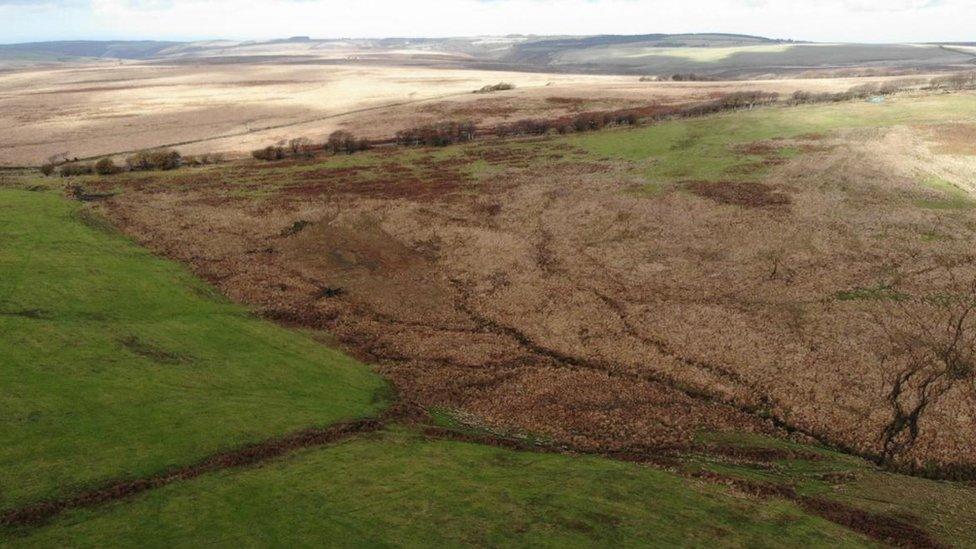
(610, 289)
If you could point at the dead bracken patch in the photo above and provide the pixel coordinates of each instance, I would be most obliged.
(748, 194)
(543, 299)
(79, 193)
(884, 528)
(955, 139)
(757, 148)
(329, 292)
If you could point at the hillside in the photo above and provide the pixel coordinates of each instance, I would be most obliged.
(725, 55)
(498, 245)
(29, 54)
(173, 416)
(587, 311)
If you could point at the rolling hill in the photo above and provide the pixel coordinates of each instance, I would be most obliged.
(716, 54)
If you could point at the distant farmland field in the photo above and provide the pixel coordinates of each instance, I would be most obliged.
(763, 59)
(107, 108)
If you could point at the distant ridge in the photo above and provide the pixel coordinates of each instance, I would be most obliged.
(115, 49)
(715, 54)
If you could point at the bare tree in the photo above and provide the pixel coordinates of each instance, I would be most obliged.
(342, 141)
(105, 166)
(301, 146)
(53, 162)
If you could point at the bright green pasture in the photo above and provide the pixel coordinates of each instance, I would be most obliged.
(115, 363)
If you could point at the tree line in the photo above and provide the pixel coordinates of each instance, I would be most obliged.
(148, 160)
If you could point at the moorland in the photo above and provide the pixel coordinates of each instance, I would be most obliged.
(581, 309)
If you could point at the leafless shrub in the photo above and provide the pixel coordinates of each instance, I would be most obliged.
(301, 147)
(960, 81)
(437, 135)
(160, 159)
(732, 101)
(341, 141)
(805, 97)
(861, 91)
(271, 152)
(106, 166)
(691, 77)
(52, 162)
(203, 159)
(528, 126)
(587, 121)
(74, 169)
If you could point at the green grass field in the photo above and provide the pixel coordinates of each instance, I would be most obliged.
(115, 364)
(704, 148)
(395, 489)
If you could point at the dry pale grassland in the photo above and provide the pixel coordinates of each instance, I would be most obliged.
(536, 287)
(100, 109)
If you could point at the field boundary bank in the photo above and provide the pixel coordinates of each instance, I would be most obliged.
(35, 514)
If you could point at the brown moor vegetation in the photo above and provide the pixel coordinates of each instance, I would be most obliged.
(537, 287)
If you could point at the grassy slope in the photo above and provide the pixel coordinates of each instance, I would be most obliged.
(114, 363)
(703, 148)
(397, 489)
(944, 509)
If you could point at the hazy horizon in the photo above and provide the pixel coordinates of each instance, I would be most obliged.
(855, 21)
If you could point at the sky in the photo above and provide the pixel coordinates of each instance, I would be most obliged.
(816, 20)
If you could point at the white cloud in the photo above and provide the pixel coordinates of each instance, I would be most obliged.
(823, 20)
